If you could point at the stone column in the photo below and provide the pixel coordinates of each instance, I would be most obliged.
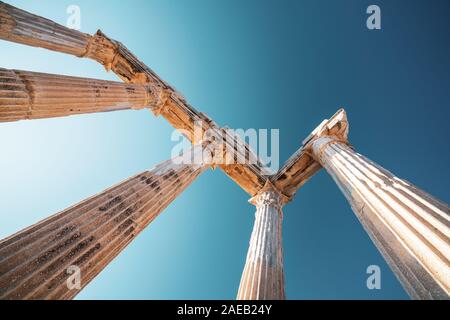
(263, 275)
(20, 26)
(34, 263)
(32, 95)
(409, 227)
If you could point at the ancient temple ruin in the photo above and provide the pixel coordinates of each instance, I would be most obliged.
(410, 228)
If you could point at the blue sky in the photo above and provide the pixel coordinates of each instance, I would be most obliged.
(247, 64)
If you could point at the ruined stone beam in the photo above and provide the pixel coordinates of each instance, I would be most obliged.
(22, 27)
(295, 173)
(409, 227)
(30, 95)
(35, 262)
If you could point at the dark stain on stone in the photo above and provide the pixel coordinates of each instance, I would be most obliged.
(56, 280)
(65, 231)
(42, 259)
(111, 204)
(124, 214)
(125, 225)
(118, 208)
(169, 174)
(129, 231)
(57, 264)
(130, 90)
(63, 275)
(154, 184)
(83, 244)
(88, 254)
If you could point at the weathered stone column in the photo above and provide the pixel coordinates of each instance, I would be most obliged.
(409, 227)
(34, 262)
(20, 26)
(263, 275)
(32, 95)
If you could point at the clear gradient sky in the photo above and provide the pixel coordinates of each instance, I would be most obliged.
(247, 64)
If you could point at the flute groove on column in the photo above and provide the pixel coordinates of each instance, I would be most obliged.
(34, 262)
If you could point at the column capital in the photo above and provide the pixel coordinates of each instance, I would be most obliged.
(336, 128)
(159, 97)
(269, 195)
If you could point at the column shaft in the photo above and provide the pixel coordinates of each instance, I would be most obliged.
(34, 261)
(19, 26)
(23, 27)
(263, 275)
(409, 227)
(31, 95)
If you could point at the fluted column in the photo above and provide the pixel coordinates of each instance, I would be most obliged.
(34, 262)
(263, 275)
(23, 27)
(409, 227)
(26, 28)
(32, 95)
